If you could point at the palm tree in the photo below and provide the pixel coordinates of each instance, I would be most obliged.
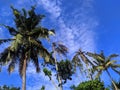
(61, 50)
(104, 63)
(79, 59)
(26, 43)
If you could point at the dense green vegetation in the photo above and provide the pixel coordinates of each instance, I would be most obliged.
(26, 45)
(91, 85)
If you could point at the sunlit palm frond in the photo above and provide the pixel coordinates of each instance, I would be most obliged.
(112, 56)
(109, 63)
(40, 32)
(15, 45)
(97, 57)
(99, 67)
(11, 66)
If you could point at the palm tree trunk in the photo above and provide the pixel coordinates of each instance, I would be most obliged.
(54, 83)
(116, 88)
(24, 74)
(56, 66)
(89, 72)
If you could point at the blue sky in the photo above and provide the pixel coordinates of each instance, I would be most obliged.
(91, 25)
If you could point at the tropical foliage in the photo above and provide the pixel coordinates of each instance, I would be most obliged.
(65, 70)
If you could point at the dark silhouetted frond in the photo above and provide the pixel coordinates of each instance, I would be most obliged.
(5, 40)
(11, 30)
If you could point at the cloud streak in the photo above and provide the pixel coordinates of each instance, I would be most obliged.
(78, 31)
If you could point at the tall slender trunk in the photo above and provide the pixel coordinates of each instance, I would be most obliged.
(89, 73)
(116, 88)
(56, 66)
(54, 84)
(24, 74)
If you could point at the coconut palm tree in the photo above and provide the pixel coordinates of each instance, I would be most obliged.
(25, 43)
(104, 63)
(61, 50)
(79, 59)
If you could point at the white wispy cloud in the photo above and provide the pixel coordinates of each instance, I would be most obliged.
(51, 7)
(78, 34)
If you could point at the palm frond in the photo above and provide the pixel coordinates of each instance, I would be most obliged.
(17, 42)
(34, 58)
(109, 63)
(84, 58)
(11, 66)
(11, 30)
(15, 12)
(118, 72)
(112, 56)
(77, 63)
(5, 56)
(115, 65)
(60, 48)
(5, 40)
(99, 67)
(43, 51)
(24, 12)
(41, 32)
(97, 57)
